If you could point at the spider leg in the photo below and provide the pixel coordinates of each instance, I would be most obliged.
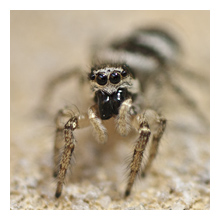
(139, 147)
(123, 118)
(156, 136)
(99, 129)
(73, 123)
(156, 130)
(192, 75)
(53, 84)
(182, 94)
(57, 146)
(70, 144)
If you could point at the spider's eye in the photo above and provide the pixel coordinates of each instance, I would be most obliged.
(115, 78)
(91, 76)
(101, 79)
(124, 73)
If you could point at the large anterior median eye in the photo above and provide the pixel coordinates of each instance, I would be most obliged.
(115, 78)
(101, 79)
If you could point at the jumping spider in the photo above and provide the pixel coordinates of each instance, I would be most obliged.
(117, 88)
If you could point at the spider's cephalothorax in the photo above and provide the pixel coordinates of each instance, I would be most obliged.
(112, 84)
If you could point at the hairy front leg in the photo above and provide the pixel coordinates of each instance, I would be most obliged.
(123, 118)
(57, 146)
(139, 147)
(70, 144)
(160, 123)
(75, 122)
(99, 129)
(61, 118)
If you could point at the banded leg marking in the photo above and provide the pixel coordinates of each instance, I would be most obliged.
(139, 148)
(70, 143)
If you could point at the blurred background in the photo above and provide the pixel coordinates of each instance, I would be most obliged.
(44, 44)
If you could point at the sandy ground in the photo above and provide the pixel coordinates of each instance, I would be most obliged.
(46, 43)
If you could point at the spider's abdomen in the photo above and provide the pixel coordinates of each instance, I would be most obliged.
(109, 104)
(146, 50)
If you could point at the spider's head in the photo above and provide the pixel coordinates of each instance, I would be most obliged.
(112, 85)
